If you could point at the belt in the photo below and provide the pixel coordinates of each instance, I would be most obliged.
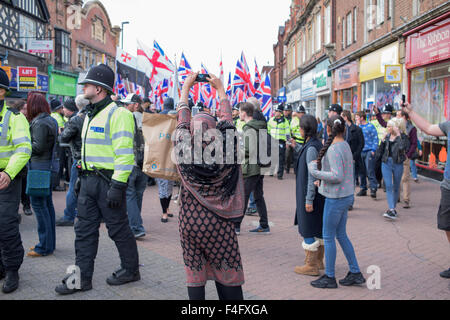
(86, 173)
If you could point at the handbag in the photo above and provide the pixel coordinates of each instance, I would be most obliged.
(39, 182)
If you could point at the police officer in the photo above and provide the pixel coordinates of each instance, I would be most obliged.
(107, 160)
(289, 150)
(278, 128)
(238, 123)
(299, 112)
(15, 151)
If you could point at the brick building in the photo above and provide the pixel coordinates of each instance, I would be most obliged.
(370, 52)
(84, 37)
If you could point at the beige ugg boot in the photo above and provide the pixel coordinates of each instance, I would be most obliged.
(311, 267)
(321, 254)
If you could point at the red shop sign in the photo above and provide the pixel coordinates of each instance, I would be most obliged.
(429, 45)
(27, 71)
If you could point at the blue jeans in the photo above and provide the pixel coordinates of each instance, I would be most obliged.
(71, 199)
(369, 162)
(252, 204)
(392, 175)
(413, 169)
(137, 184)
(334, 227)
(45, 216)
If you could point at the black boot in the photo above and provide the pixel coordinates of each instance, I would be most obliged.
(11, 282)
(362, 193)
(123, 276)
(64, 290)
(445, 274)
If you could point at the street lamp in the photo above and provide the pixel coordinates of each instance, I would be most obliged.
(123, 23)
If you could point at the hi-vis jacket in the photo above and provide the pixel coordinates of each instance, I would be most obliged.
(15, 141)
(108, 142)
(279, 128)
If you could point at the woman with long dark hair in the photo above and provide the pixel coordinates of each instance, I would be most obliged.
(211, 201)
(309, 214)
(44, 133)
(337, 186)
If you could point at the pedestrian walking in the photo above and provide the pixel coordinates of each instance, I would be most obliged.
(44, 138)
(107, 160)
(392, 152)
(137, 183)
(57, 113)
(253, 180)
(165, 187)
(15, 151)
(355, 138)
(337, 186)
(411, 153)
(441, 130)
(75, 111)
(279, 129)
(310, 203)
(368, 157)
(211, 201)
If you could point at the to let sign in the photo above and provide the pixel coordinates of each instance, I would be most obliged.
(429, 45)
(27, 78)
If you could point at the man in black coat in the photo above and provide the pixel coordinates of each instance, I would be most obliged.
(355, 138)
(72, 136)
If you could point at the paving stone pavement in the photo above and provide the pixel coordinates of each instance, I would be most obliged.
(410, 254)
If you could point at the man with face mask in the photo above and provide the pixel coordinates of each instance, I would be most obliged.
(107, 160)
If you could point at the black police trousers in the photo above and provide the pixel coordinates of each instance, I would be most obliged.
(282, 160)
(11, 248)
(92, 207)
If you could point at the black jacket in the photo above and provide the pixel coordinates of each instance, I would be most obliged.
(44, 132)
(399, 148)
(355, 139)
(72, 134)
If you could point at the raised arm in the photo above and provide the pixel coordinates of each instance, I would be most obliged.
(423, 124)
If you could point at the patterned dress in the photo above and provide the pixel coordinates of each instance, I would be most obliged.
(210, 245)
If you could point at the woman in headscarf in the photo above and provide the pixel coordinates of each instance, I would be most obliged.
(211, 199)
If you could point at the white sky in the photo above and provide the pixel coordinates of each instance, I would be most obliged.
(203, 29)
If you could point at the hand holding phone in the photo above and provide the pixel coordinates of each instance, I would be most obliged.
(202, 78)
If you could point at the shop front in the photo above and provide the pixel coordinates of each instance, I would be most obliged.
(376, 89)
(35, 81)
(346, 86)
(322, 83)
(62, 85)
(308, 93)
(293, 92)
(428, 65)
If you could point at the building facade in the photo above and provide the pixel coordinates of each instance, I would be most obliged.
(21, 22)
(84, 37)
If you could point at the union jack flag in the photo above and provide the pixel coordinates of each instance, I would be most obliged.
(229, 88)
(243, 78)
(257, 82)
(120, 87)
(238, 97)
(184, 69)
(266, 106)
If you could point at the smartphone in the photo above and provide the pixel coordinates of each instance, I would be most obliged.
(403, 99)
(202, 78)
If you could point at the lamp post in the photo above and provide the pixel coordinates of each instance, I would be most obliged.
(124, 23)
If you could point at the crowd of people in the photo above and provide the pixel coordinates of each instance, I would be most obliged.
(104, 170)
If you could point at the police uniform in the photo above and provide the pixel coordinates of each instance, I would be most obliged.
(279, 129)
(15, 152)
(107, 160)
